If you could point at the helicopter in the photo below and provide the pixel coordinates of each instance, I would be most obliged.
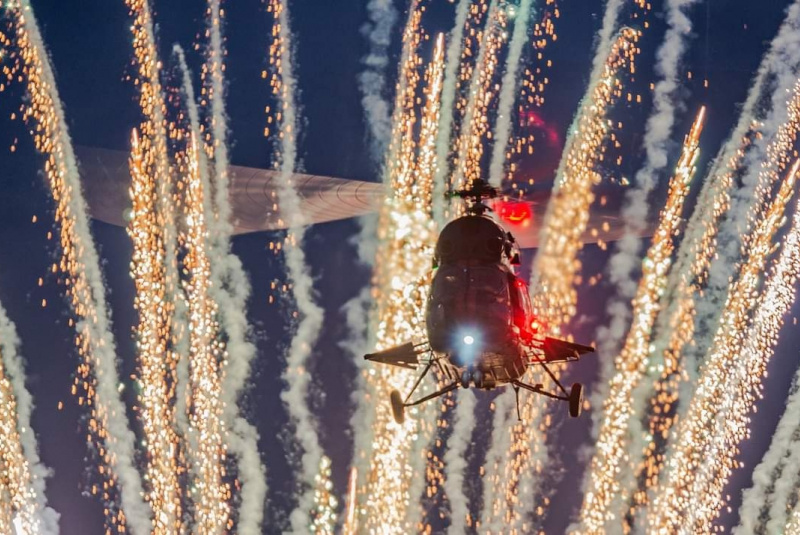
(481, 328)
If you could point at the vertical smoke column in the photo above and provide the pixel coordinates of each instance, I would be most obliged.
(230, 287)
(658, 133)
(455, 460)
(691, 493)
(97, 379)
(372, 81)
(502, 130)
(314, 510)
(23, 504)
(518, 452)
(609, 475)
(156, 402)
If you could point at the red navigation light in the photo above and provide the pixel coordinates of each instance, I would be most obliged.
(514, 213)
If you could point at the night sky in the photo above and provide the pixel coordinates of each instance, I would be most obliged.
(89, 42)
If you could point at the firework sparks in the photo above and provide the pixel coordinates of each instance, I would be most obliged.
(692, 491)
(554, 295)
(402, 269)
(97, 379)
(22, 499)
(608, 473)
(153, 334)
(229, 285)
(316, 505)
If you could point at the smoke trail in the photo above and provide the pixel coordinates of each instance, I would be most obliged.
(231, 290)
(657, 134)
(701, 458)
(669, 363)
(23, 472)
(776, 476)
(312, 509)
(445, 131)
(455, 460)
(372, 82)
(502, 129)
(81, 264)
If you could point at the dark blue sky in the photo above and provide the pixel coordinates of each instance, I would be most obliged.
(90, 47)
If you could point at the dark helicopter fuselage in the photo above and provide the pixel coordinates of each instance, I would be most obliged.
(479, 315)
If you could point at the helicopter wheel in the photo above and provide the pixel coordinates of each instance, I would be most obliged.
(575, 400)
(398, 407)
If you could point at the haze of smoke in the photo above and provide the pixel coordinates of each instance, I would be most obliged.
(508, 93)
(783, 51)
(45, 518)
(445, 130)
(627, 257)
(500, 444)
(231, 290)
(311, 315)
(120, 440)
(455, 460)
(372, 82)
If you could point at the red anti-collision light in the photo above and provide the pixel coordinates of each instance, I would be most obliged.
(514, 213)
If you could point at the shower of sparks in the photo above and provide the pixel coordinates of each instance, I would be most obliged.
(96, 384)
(20, 500)
(402, 271)
(207, 448)
(229, 284)
(156, 397)
(702, 454)
(609, 475)
(509, 485)
(475, 130)
(316, 505)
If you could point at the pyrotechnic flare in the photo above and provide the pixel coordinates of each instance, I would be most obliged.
(154, 355)
(407, 238)
(671, 367)
(508, 91)
(475, 124)
(97, 379)
(702, 456)
(449, 89)
(658, 134)
(316, 505)
(23, 504)
(510, 485)
(230, 287)
(609, 474)
(206, 449)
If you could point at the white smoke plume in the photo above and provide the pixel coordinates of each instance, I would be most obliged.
(33, 501)
(508, 92)
(231, 290)
(659, 130)
(445, 130)
(372, 81)
(96, 329)
(455, 460)
(775, 476)
(501, 443)
(295, 397)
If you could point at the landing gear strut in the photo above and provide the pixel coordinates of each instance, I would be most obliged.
(574, 396)
(399, 404)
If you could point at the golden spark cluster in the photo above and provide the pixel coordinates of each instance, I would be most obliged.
(96, 383)
(606, 493)
(402, 271)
